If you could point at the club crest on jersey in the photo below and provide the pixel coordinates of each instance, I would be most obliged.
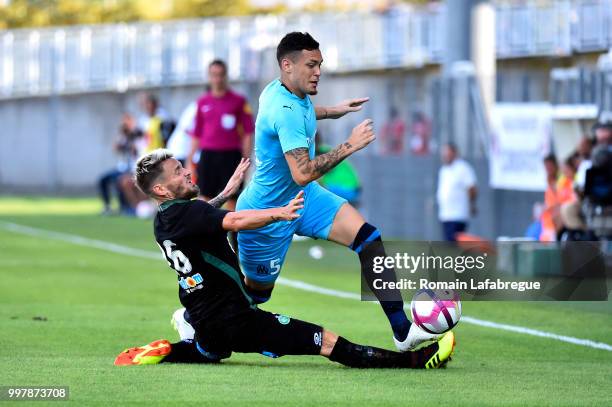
(282, 319)
(187, 283)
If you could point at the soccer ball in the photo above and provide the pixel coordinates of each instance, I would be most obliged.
(436, 311)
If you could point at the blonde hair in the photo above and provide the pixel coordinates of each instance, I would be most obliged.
(148, 168)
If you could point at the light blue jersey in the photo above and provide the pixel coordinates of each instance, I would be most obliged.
(284, 122)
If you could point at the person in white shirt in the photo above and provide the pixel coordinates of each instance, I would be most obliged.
(180, 140)
(456, 194)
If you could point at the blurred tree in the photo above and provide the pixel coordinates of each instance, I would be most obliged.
(208, 8)
(39, 13)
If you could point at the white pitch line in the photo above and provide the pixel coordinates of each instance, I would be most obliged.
(300, 285)
(80, 240)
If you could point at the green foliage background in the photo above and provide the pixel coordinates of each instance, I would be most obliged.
(41, 13)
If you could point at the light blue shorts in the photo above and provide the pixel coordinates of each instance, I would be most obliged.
(262, 251)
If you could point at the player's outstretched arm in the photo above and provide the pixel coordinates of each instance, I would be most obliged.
(256, 218)
(233, 185)
(305, 170)
(344, 107)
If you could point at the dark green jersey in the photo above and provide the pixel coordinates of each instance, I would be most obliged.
(191, 237)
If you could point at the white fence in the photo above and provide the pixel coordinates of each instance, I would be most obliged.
(82, 59)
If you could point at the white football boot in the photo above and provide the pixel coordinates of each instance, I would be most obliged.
(416, 339)
(184, 329)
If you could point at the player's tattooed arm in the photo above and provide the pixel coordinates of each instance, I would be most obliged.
(304, 170)
(219, 200)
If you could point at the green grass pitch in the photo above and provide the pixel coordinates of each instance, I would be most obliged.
(67, 310)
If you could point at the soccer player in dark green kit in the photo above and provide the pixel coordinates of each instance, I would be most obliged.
(192, 236)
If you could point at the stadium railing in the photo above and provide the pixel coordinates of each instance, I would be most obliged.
(79, 59)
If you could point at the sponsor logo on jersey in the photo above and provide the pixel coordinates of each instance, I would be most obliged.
(190, 282)
(282, 319)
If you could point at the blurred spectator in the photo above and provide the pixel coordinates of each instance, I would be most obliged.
(180, 140)
(134, 196)
(420, 133)
(535, 228)
(155, 126)
(551, 222)
(603, 139)
(456, 192)
(565, 183)
(575, 160)
(125, 148)
(151, 124)
(585, 145)
(392, 135)
(571, 213)
(342, 180)
(223, 133)
(565, 191)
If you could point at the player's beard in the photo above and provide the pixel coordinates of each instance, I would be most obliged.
(189, 192)
(193, 192)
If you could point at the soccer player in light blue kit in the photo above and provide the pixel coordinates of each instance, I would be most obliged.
(286, 164)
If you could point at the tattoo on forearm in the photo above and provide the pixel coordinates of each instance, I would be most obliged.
(218, 201)
(322, 163)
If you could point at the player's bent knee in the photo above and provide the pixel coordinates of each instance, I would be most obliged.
(367, 233)
(346, 224)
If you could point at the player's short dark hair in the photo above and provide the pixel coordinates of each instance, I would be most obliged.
(295, 42)
(149, 168)
(218, 62)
